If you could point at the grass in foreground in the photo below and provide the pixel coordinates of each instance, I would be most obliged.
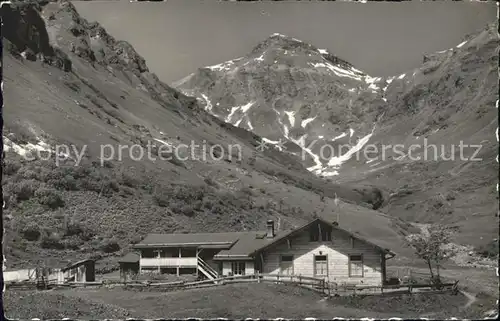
(231, 301)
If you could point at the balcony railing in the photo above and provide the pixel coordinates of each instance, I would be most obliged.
(169, 262)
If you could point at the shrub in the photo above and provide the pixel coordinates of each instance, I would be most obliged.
(11, 168)
(73, 228)
(67, 183)
(110, 246)
(129, 180)
(161, 198)
(52, 241)
(209, 181)
(188, 210)
(489, 250)
(26, 189)
(49, 197)
(31, 232)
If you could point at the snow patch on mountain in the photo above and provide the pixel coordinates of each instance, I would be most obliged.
(246, 107)
(338, 71)
(233, 110)
(317, 168)
(243, 108)
(337, 161)
(225, 66)
(208, 105)
(339, 136)
(286, 131)
(307, 121)
(291, 117)
(163, 142)
(267, 140)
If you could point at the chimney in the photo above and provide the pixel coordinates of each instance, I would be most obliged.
(270, 229)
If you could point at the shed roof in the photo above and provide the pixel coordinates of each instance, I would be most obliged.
(131, 257)
(77, 264)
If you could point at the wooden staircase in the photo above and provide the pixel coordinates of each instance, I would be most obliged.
(207, 270)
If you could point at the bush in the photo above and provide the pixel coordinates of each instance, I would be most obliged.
(26, 189)
(161, 199)
(129, 180)
(489, 250)
(31, 232)
(73, 228)
(11, 168)
(109, 246)
(188, 210)
(209, 181)
(67, 183)
(49, 197)
(52, 241)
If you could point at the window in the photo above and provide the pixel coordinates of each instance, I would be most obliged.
(286, 264)
(356, 265)
(320, 233)
(238, 268)
(320, 265)
(314, 234)
(326, 233)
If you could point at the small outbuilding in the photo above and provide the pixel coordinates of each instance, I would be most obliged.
(129, 266)
(81, 271)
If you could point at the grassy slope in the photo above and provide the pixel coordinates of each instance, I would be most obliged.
(231, 301)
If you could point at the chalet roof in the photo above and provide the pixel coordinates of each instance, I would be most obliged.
(224, 240)
(237, 245)
(131, 257)
(247, 244)
(291, 233)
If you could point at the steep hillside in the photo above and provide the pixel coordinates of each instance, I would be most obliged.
(81, 106)
(354, 128)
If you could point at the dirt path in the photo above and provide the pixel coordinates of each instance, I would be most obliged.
(472, 298)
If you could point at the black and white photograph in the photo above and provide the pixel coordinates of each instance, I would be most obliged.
(243, 160)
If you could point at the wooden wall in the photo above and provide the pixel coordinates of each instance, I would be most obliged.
(249, 267)
(337, 252)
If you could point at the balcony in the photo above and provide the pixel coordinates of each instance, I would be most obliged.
(189, 262)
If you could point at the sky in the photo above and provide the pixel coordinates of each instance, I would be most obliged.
(383, 39)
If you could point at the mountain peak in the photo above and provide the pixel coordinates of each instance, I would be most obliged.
(286, 44)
